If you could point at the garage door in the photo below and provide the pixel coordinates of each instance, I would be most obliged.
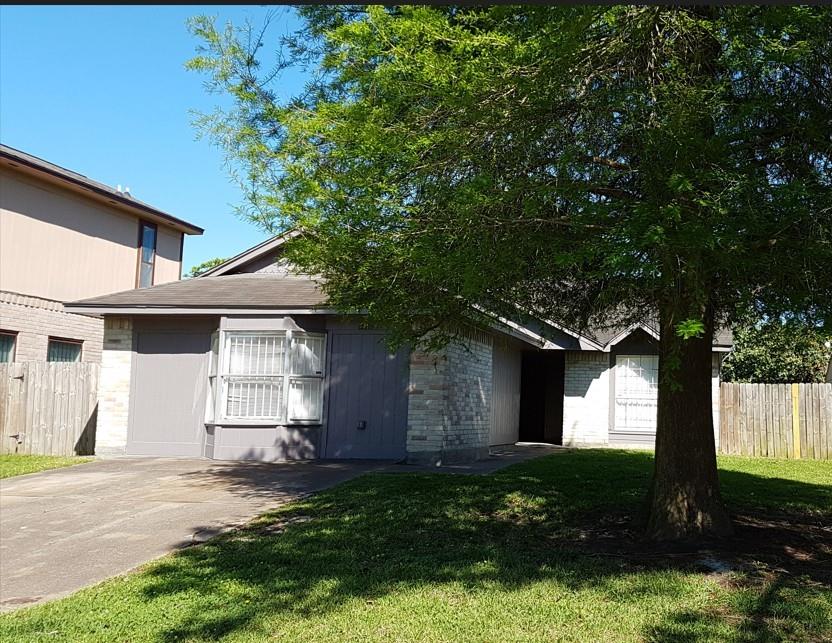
(167, 399)
(367, 415)
(636, 393)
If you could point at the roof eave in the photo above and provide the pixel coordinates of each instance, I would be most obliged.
(251, 254)
(130, 309)
(137, 207)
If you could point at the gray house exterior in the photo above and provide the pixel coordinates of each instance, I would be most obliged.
(247, 362)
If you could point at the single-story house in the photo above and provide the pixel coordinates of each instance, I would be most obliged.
(248, 362)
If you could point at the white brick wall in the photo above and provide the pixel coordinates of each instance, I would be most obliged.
(36, 320)
(586, 398)
(114, 387)
(449, 402)
(586, 410)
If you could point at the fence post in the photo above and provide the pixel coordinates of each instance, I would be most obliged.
(796, 419)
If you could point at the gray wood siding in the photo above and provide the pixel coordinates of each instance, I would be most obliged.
(167, 405)
(367, 397)
(505, 394)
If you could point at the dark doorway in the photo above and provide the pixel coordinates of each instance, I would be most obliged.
(541, 397)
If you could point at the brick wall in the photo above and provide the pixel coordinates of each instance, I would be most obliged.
(114, 386)
(586, 398)
(36, 320)
(449, 402)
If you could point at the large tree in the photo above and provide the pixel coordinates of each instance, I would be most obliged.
(591, 165)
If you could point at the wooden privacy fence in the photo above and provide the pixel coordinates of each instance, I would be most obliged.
(48, 408)
(776, 420)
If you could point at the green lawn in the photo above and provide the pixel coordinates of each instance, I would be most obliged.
(432, 557)
(17, 465)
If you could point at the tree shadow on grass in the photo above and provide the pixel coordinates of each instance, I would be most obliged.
(768, 614)
(388, 533)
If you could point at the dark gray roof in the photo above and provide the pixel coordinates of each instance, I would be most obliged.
(267, 248)
(228, 291)
(722, 336)
(15, 156)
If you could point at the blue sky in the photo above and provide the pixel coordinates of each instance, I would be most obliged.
(103, 91)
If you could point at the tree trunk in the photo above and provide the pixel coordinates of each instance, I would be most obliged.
(685, 502)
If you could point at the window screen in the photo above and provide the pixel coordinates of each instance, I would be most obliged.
(63, 351)
(7, 342)
(147, 253)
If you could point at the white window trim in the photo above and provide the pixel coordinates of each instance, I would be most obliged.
(13, 352)
(618, 370)
(222, 375)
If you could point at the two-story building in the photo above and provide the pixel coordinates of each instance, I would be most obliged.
(65, 237)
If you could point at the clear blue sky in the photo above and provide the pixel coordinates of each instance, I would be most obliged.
(103, 91)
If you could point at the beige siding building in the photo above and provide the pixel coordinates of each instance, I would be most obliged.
(64, 237)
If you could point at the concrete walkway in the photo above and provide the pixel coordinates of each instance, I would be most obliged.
(64, 529)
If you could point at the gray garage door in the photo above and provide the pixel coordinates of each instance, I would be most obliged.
(367, 415)
(167, 405)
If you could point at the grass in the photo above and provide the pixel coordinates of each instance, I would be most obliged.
(18, 465)
(431, 557)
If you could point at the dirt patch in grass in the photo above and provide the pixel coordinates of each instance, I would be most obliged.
(762, 543)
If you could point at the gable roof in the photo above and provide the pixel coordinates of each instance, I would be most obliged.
(609, 337)
(218, 290)
(252, 254)
(16, 159)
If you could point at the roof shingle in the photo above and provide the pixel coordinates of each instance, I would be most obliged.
(228, 291)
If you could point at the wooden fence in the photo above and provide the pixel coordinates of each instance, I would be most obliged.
(776, 420)
(48, 408)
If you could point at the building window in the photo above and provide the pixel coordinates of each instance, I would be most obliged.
(63, 350)
(147, 254)
(7, 344)
(272, 376)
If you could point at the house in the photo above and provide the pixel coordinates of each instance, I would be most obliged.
(63, 237)
(249, 362)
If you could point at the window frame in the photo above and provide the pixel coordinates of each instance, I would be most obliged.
(13, 353)
(139, 247)
(65, 340)
(623, 362)
(219, 414)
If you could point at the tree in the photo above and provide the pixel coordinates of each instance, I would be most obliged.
(778, 351)
(205, 266)
(592, 165)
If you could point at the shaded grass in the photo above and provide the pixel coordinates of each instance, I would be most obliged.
(438, 557)
(18, 465)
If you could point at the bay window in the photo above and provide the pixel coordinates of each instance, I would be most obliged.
(270, 376)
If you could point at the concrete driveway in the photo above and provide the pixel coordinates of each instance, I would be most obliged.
(64, 529)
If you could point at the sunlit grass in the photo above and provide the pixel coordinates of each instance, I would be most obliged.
(431, 557)
(18, 465)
